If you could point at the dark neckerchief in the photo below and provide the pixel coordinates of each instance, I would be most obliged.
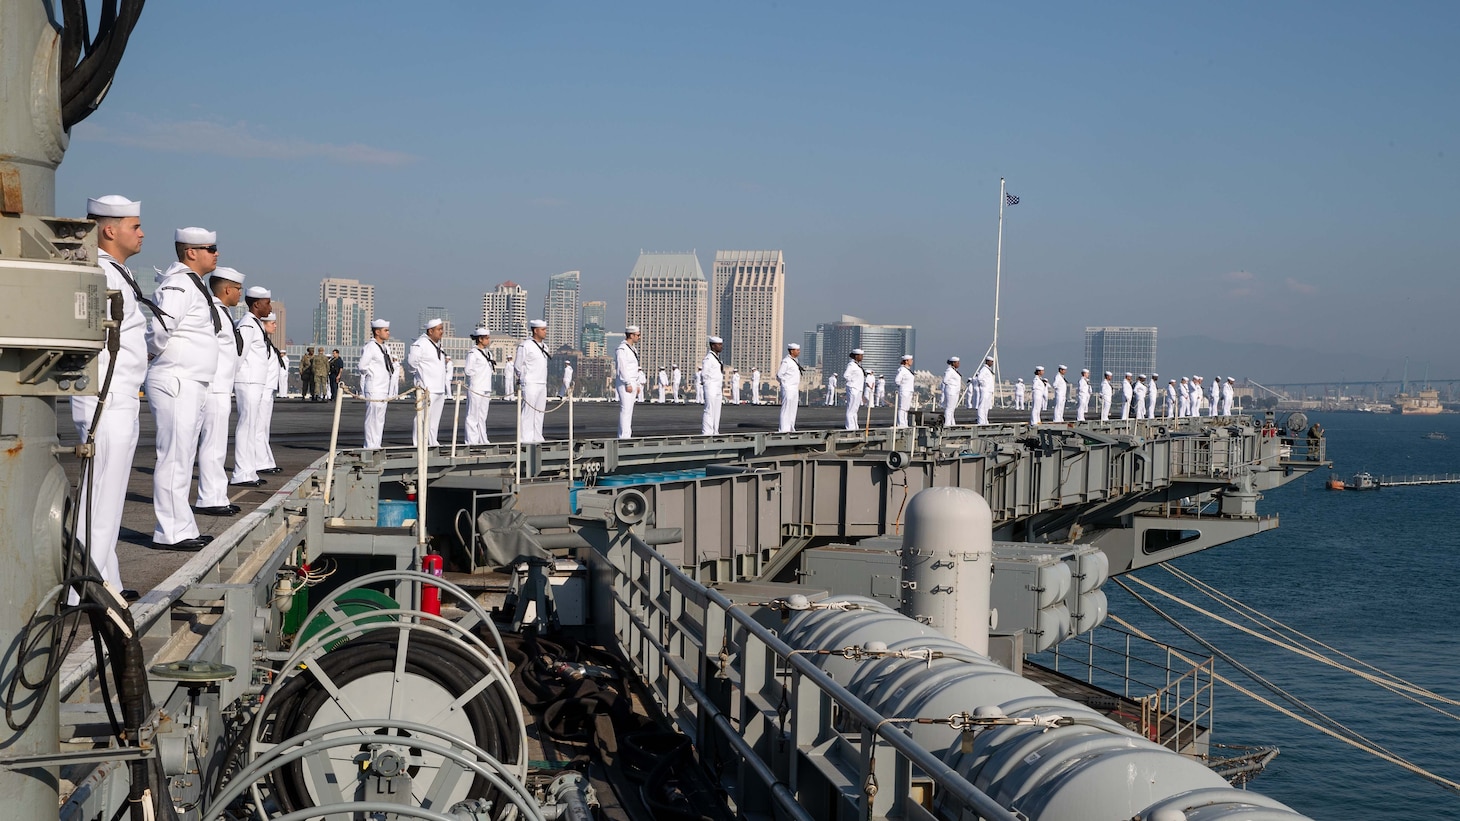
(208, 298)
(389, 365)
(157, 312)
(545, 354)
(487, 356)
(237, 337)
(632, 351)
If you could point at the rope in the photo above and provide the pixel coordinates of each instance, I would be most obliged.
(1353, 739)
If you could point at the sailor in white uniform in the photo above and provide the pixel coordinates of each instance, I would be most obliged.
(1040, 396)
(118, 237)
(251, 382)
(1171, 399)
(277, 384)
(1228, 388)
(830, 389)
(879, 397)
(663, 382)
(1155, 392)
(970, 394)
(700, 385)
(480, 368)
(1061, 392)
(1140, 391)
(854, 379)
(952, 386)
(789, 377)
(509, 377)
(627, 373)
(1216, 396)
(1127, 392)
(1082, 395)
(735, 385)
(1106, 391)
(984, 387)
(567, 379)
(431, 369)
(904, 380)
(378, 381)
(675, 378)
(184, 354)
(531, 368)
(712, 376)
(1019, 389)
(226, 286)
(1183, 398)
(755, 386)
(869, 390)
(1196, 395)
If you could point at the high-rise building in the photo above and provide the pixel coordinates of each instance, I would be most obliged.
(666, 299)
(436, 312)
(747, 307)
(280, 335)
(346, 308)
(811, 342)
(504, 311)
(882, 345)
(1120, 350)
(560, 310)
(595, 312)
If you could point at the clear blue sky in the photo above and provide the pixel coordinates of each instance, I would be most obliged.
(1281, 173)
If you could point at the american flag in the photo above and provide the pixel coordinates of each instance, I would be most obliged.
(1011, 199)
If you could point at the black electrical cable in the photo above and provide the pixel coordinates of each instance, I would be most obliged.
(85, 81)
(495, 725)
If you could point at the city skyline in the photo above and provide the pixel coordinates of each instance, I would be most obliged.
(748, 307)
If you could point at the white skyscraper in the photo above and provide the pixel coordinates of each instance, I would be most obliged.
(504, 311)
(666, 299)
(343, 315)
(747, 307)
(560, 310)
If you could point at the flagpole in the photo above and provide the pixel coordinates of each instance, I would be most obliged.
(998, 274)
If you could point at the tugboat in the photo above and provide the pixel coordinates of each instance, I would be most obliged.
(1361, 481)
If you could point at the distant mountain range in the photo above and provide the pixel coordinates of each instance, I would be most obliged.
(1187, 355)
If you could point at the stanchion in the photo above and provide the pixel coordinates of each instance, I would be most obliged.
(329, 465)
(423, 415)
(455, 420)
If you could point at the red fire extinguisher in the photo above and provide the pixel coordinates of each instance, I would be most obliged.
(430, 594)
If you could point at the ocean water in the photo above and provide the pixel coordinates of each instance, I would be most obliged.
(1374, 574)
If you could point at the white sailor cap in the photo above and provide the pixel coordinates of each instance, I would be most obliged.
(1108, 373)
(953, 360)
(1183, 379)
(258, 292)
(380, 323)
(1231, 379)
(1084, 370)
(1062, 367)
(989, 358)
(906, 357)
(793, 347)
(1172, 381)
(195, 236)
(272, 317)
(632, 329)
(1142, 376)
(856, 352)
(1038, 368)
(1154, 374)
(113, 205)
(481, 332)
(1129, 374)
(715, 340)
(536, 323)
(230, 274)
(1021, 379)
(433, 323)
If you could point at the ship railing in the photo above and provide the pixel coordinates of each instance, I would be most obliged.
(1172, 687)
(766, 720)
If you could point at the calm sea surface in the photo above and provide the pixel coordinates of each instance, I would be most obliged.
(1375, 574)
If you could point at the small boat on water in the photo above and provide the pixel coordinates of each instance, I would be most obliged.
(1436, 434)
(1361, 481)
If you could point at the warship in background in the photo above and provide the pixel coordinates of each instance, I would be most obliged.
(814, 625)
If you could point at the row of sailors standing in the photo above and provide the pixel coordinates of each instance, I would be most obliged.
(1139, 395)
(193, 359)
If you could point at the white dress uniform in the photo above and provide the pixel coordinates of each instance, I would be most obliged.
(755, 386)
(277, 385)
(830, 389)
(1171, 399)
(970, 393)
(1140, 397)
(1227, 398)
(1082, 397)
(567, 379)
(880, 397)
(1061, 392)
(1019, 394)
(712, 376)
(1040, 398)
(663, 384)
(735, 385)
(213, 429)
(509, 374)
(904, 380)
(431, 368)
(479, 372)
(1216, 395)
(1183, 398)
(1195, 392)
(532, 362)
(378, 381)
(250, 383)
(185, 356)
(1106, 391)
(1127, 392)
(789, 377)
(952, 385)
(983, 380)
(1155, 393)
(626, 382)
(117, 429)
(675, 380)
(854, 379)
(700, 385)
